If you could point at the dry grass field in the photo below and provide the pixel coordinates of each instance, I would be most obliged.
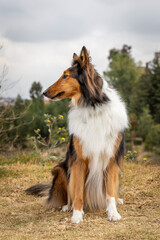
(23, 216)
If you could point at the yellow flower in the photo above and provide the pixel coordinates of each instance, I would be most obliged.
(61, 116)
(135, 151)
(144, 159)
(59, 128)
(48, 121)
(38, 130)
(127, 155)
(63, 139)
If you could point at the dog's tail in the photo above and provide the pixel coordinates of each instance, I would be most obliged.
(56, 191)
(41, 189)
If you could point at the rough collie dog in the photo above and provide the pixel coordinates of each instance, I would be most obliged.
(89, 176)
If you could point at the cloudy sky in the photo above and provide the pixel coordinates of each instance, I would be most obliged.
(39, 37)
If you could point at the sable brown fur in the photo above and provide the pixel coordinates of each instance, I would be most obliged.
(113, 170)
(78, 176)
(89, 80)
(58, 192)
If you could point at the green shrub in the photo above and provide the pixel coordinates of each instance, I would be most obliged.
(137, 141)
(145, 123)
(56, 135)
(152, 142)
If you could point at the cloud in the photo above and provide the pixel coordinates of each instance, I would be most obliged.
(39, 37)
(39, 21)
(138, 17)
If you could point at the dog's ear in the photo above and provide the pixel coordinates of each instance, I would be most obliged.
(77, 61)
(84, 56)
(82, 60)
(75, 57)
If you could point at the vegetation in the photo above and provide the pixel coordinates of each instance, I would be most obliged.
(123, 72)
(56, 136)
(19, 122)
(138, 86)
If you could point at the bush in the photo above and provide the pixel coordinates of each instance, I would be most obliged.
(56, 135)
(145, 124)
(137, 141)
(152, 142)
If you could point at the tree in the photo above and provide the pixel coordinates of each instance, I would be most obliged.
(36, 91)
(145, 123)
(10, 118)
(123, 72)
(153, 140)
(140, 93)
(154, 91)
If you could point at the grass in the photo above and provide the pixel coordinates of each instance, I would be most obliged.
(24, 217)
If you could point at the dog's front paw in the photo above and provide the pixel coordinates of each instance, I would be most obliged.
(111, 210)
(77, 216)
(113, 215)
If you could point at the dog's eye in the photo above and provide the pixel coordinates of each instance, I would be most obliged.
(64, 76)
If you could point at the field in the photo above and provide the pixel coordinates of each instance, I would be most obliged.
(24, 217)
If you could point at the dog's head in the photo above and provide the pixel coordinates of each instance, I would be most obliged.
(80, 82)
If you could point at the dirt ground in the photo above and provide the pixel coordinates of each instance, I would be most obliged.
(24, 217)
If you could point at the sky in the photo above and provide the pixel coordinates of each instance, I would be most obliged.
(39, 37)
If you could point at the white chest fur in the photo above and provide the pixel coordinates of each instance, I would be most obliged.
(98, 128)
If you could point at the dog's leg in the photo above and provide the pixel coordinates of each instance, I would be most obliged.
(112, 180)
(112, 184)
(76, 188)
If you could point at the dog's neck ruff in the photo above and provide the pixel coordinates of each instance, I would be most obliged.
(98, 128)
